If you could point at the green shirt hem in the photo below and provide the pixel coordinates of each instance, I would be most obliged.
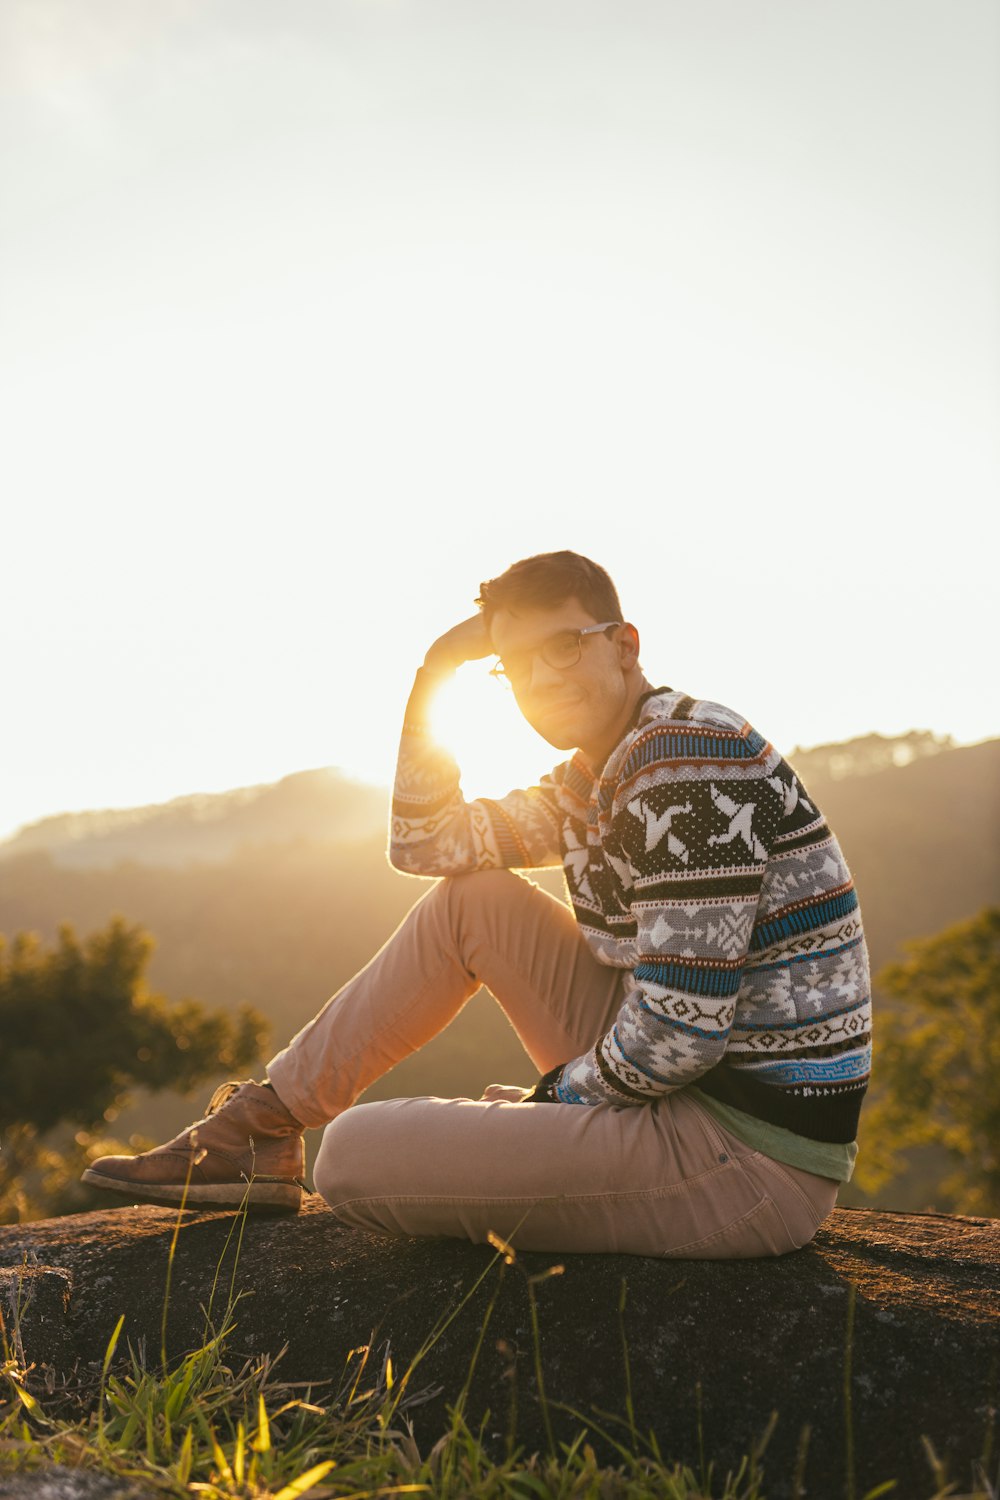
(824, 1158)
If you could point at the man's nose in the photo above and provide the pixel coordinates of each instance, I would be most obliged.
(541, 675)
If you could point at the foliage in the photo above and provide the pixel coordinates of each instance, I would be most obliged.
(81, 1032)
(207, 1428)
(867, 754)
(938, 1063)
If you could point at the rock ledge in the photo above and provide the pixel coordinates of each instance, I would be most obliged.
(753, 1336)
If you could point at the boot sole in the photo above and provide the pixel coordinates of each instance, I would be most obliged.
(257, 1194)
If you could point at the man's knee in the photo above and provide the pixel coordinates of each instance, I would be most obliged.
(479, 885)
(469, 903)
(482, 899)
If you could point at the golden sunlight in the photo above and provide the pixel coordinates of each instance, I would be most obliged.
(476, 718)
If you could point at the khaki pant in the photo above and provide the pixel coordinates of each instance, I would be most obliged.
(660, 1179)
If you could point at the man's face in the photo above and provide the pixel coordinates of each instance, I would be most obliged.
(584, 706)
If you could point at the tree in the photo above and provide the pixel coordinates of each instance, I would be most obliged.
(80, 1032)
(867, 754)
(937, 1063)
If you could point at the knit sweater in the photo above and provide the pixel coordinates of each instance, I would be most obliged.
(695, 860)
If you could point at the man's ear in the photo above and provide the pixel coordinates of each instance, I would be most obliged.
(628, 646)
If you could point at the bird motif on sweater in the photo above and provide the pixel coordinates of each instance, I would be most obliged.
(658, 825)
(740, 815)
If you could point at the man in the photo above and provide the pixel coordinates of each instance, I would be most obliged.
(701, 1020)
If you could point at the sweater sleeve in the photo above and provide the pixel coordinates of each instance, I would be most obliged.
(692, 852)
(435, 831)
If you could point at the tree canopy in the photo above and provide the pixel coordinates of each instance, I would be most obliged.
(937, 1063)
(81, 1032)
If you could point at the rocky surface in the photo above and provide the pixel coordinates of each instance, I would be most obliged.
(726, 1344)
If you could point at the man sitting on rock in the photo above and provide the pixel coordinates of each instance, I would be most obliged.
(701, 1018)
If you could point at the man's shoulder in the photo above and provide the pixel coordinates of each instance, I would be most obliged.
(675, 710)
(697, 738)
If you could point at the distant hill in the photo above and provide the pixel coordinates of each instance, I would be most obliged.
(277, 895)
(867, 754)
(312, 805)
(922, 838)
(919, 819)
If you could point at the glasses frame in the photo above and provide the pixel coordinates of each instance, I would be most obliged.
(501, 674)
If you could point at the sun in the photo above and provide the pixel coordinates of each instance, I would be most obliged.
(476, 718)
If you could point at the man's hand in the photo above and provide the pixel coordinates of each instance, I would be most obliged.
(465, 642)
(509, 1092)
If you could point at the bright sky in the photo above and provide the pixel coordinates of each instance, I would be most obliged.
(315, 314)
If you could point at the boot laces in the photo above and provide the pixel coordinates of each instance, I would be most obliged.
(222, 1096)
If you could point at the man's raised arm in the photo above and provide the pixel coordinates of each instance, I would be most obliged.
(467, 641)
(433, 830)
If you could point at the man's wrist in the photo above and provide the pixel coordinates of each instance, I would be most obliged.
(544, 1091)
(421, 699)
(467, 641)
(438, 667)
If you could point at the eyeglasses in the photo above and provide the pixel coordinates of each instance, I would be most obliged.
(560, 651)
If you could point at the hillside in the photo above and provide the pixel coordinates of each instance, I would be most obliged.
(922, 839)
(314, 805)
(294, 873)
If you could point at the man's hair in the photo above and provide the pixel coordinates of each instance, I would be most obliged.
(548, 580)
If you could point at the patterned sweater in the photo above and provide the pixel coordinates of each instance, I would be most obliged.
(697, 861)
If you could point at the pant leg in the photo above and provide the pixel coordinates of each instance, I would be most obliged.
(663, 1179)
(490, 927)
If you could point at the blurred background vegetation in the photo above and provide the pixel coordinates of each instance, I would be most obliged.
(263, 901)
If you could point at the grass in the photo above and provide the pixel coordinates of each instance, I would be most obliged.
(201, 1427)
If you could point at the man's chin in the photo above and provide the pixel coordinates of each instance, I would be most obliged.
(557, 733)
(558, 741)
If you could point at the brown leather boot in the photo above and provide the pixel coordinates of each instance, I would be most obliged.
(248, 1148)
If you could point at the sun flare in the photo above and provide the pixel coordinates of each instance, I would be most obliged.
(476, 718)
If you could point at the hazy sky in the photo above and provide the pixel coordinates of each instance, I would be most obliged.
(316, 313)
